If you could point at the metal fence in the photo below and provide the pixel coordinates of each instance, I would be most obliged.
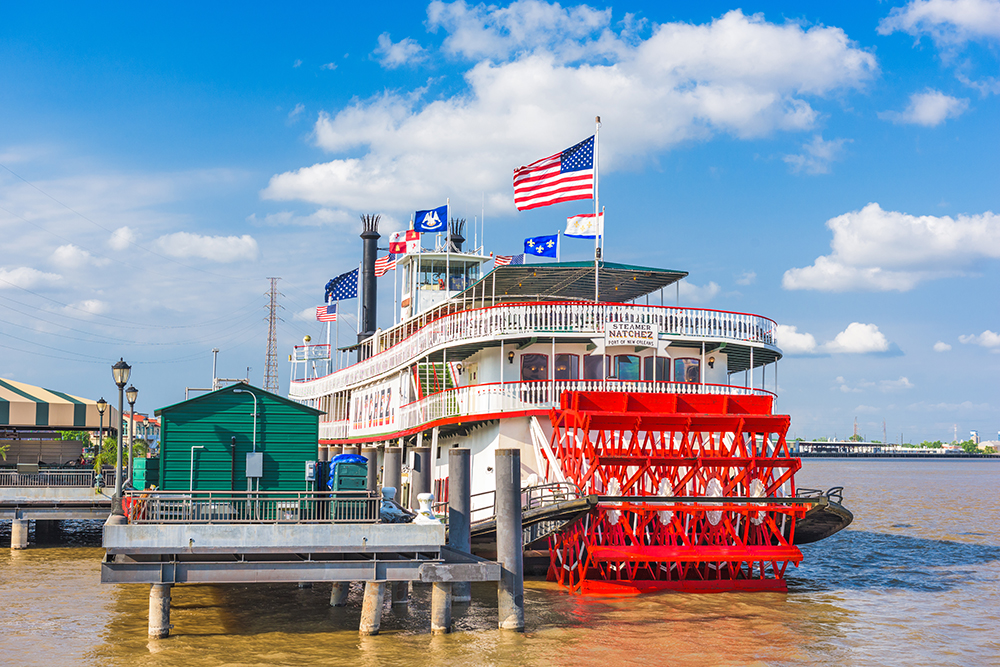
(226, 507)
(54, 477)
(483, 504)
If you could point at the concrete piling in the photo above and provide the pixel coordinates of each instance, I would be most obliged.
(441, 607)
(420, 474)
(510, 554)
(371, 453)
(159, 611)
(339, 593)
(392, 470)
(371, 608)
(19, 534)
(460, 513)
(351, 449)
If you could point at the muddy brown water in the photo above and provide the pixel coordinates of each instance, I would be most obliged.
(914, 581)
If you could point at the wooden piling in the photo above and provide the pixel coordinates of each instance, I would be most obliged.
(371, 608)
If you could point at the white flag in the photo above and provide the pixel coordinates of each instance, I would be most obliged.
(585, 226)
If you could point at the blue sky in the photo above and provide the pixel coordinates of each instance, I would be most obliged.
(833, 166)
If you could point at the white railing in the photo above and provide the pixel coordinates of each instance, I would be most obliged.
(58, 477)
(477, 401)
(514, 320)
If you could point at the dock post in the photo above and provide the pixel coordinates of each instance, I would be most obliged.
(351, 449)
(339, 593)
(392, 470)
(371, 453)
(371, 608)
(159, 611)
(441, 607)
(19, 534)
(420, 480)
(510, 554)
(460, 513)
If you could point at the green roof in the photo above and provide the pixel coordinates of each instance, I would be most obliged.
(239, 385)
(573, 281)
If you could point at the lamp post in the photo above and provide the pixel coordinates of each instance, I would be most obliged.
(120, 372)
(131, 394)
(102, 405)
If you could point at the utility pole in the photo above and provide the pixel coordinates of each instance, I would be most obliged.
(271, 362)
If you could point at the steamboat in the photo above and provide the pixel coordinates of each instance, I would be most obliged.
(652, 456)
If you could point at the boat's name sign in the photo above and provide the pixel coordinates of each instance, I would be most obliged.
(374, 408)
(630, 333)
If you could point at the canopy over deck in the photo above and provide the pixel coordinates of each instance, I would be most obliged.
(573, 281)
(24, 406)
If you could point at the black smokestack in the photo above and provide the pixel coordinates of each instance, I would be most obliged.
(456, 231)
(370, 237)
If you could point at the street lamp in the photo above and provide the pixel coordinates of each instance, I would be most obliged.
(120, 372)
(131, 394)
(102, 406)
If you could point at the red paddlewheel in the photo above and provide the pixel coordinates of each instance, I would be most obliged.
(626, 446)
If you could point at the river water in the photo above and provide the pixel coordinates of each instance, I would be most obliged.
(914, 581)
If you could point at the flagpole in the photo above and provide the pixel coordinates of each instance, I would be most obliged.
(395, 308)
(597, 210)
(357, 294)
(329, 361)
(447, 248)
(558, 244)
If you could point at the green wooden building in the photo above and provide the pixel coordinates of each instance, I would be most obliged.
(197, 449)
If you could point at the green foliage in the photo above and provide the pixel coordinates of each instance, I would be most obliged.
(108, 456)
(855, 438)
(79, 436)
(927, 444)
(989, 450)
(3, 451)
(969, 447)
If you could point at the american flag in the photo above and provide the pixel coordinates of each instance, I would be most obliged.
(384, 265)
(344, 286)
(565, 176)
(504, 260)
(327, 313)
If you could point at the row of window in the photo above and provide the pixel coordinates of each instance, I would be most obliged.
(535, 367)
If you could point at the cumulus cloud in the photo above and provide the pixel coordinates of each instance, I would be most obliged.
(73, 257)
(941, 346)
(858, 338)
(320, 218)
(881, 250)
(929, 108)
(214, 248)
(792, 342)
(746, 278)
(737, 74)
(816, 155)
(122, 238)
(895, 385)
(986, 339)
(297, 63)
(404, 52)
(90, 307)
(691, 293)
(27, 277)
(948, 22)
(294, 113)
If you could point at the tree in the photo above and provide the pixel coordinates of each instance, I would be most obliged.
(108, 456)
(79, 436)
(969, 446)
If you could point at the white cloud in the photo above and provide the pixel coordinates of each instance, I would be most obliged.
(27, 277)
(867, 409)
(964, 406)
(294, 113)
(842, 386)
(792, 342)
(319, 218)
(817, 155)
(297, 63)
(858, 338)
(946, 21)
(986, 339)
(929, 108)
(328, 66)
(71, 257)
(882, 250)
(691, 293)
(215, 248)
(90, 307)
(395, 54)
(941, 346)
(122, 238)
(305, 315)
(737, 74)
(895, 385)
(746, 278)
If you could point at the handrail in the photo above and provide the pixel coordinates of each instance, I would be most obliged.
(256, 507)
(532, 497)
(492, 398)
(507, 320)
(46, 478)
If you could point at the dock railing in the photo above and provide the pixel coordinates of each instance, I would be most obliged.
(49, 477)
(261, 507)
(532, 497)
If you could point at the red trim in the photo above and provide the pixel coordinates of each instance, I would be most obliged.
(438, 422)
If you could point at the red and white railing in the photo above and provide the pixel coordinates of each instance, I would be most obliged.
(515, 320)
(494, 399)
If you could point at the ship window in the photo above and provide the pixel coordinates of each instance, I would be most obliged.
(687, 370)
(534, 367)
(567, 367)
(592, 367)
(662, 369)
(627, 367)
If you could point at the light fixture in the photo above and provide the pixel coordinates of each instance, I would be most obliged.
(120, 372)
(711, 362)
(102, 405)
(510, 357)
(130, 395)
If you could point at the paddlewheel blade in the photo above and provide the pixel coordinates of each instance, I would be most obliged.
(624, 446)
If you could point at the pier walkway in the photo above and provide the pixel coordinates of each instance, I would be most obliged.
(51, 494)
